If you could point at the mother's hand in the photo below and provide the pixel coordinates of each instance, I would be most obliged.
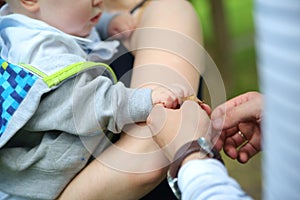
(173, 128)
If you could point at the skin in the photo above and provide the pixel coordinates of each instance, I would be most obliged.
(171, 135)
(63, 14)
(122, 26)
(97, 178)
(120, 5)
(242, 113)
(173, 68)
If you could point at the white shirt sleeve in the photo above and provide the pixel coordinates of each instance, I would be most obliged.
(208, 179)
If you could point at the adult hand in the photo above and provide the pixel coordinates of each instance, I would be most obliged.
(239, 121)
(173, 128)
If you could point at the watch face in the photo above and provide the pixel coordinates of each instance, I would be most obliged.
(205, 145)
(173, 183)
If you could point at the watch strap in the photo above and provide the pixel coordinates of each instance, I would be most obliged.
(181, 154)
(189, 148)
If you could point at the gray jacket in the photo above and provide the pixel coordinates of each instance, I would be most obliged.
(67, 106)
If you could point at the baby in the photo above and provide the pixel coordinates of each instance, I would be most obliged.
(53, 43)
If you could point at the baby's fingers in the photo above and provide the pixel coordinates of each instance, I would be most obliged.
(171, 101)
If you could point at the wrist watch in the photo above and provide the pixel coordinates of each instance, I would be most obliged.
(200, 145)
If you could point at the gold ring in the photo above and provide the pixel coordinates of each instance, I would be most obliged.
(242, 135)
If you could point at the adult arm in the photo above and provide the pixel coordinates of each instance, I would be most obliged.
(167, 45)
(176, 69)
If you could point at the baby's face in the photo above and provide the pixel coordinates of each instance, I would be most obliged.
(75, 17)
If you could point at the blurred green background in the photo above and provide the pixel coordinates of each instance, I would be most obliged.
(228, 31)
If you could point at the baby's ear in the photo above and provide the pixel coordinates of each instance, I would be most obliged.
(30, 5)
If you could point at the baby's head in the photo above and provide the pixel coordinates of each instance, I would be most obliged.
(75, 17)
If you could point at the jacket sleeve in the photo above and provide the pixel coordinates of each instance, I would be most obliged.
(89, 104)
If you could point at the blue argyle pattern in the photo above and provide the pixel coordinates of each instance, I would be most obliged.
(15, 82)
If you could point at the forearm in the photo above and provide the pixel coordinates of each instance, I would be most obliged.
(100, 182)
(123, 171)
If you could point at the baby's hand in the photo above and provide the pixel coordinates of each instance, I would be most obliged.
(170, 97)
(122, 26)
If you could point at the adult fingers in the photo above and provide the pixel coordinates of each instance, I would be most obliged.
(221, 110)
(232, 144)
(243, 145)
(247, 152)
(242, 113)
(251, 147)
(219, 137)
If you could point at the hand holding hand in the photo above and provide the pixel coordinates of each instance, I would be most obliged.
(239, 122)
(172, 129)
(169, 97)
(122, 26)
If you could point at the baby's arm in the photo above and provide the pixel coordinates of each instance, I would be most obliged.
(92, 103)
